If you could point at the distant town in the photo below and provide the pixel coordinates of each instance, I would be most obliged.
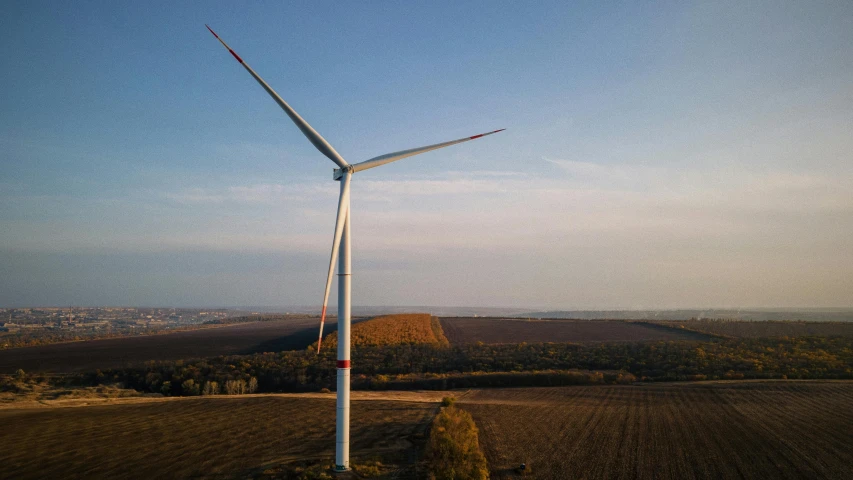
(34, 326)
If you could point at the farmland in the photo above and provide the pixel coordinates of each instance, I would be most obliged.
(770, 429)
(682, 431)
(293, 333)
(465, 330)
(214, 437)
(761, 329)
(400, 329)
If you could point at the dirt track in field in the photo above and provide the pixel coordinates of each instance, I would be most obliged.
(765, 430)
(462, 330)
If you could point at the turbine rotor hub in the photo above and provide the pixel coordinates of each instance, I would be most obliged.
(339, 172)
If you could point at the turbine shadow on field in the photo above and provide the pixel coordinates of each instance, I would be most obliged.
(298, 340)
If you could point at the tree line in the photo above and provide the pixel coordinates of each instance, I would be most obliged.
(436, 367)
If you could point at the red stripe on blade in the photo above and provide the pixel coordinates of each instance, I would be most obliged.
(211, 31)
(322, 321)
(236, 56)
(343, 363)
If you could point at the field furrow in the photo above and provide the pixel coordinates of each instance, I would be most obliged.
(466, 330)
(814, 432)
(198, 438)
(707, 431)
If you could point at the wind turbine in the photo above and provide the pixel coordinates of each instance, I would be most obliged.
(341, 247)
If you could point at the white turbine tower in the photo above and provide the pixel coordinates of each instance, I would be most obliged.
(340, 247)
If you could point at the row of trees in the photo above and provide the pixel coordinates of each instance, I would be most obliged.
(191, 387)
(31, 337)
(431, 366)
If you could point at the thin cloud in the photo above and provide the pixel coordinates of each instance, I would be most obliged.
(268, 194)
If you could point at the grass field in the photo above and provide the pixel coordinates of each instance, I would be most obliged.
(764, 430)
(199, 438)
(462, 330)
(406, 329)
(270, 336)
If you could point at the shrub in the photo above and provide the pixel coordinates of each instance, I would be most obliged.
(368, 469)
(189, 387)
(448, 401)
(453, 451)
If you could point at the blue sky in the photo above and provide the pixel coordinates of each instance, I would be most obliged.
(671, 155)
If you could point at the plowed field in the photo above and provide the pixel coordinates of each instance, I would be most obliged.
(270, 336)
(742, 329)
(764, 430)
(216, 437)
(462, 330)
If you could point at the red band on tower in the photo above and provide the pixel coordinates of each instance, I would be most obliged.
(343, 363)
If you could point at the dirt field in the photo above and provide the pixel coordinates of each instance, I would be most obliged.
(271, 336)
(198, 438)
(742, 329)
(461, 330)
(765, 430)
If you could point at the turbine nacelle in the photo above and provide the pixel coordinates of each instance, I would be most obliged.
(338, 173)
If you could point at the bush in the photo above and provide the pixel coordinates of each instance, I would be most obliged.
(453, 451)
(448, 401)
(189, 387)
(368, 469)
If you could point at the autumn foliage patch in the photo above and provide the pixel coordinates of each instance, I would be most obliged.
(454, 451)
(405, 329)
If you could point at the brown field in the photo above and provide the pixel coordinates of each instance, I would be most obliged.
(767, 430)
(409, 328)
(764, 430)
(200, 437)
(462, 330)
(746, 329)
(270, 336)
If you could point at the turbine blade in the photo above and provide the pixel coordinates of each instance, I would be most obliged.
(393, 157)
(315, 138)
(340, 221)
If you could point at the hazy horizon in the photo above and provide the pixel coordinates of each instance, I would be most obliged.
(667, 156)
(333, 308)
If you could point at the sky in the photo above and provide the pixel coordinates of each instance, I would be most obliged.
(657, 155)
